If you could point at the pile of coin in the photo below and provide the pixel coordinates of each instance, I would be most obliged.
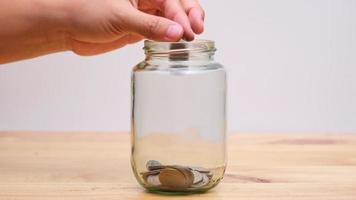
(175, 176)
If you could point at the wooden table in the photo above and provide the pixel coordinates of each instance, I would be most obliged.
(96, 166)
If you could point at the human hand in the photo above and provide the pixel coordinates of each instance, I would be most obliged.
(87, 27)
(98, 26)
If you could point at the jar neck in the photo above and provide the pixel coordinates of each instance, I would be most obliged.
(196, 51)
(201, 57)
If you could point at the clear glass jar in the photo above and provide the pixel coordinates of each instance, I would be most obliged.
(178, 117)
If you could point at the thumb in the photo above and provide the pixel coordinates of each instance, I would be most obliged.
(153, 27)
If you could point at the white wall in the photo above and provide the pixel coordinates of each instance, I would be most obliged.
(291, 63)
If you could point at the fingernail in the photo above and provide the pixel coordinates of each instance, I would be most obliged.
(174, 31)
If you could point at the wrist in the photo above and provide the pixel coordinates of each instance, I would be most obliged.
(53, 19)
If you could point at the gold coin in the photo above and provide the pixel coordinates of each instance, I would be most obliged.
(171, 177)
(189, 176)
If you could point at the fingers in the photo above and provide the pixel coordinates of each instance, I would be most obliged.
(173, 10)
(152, 27)
(195, 13)
(88, 49)
(188, 13)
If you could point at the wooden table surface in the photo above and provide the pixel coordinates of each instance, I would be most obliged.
(40, 166)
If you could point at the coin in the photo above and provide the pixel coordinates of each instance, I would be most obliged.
(153, 180)
(189, 176)
(210, 175)
(149, 173)
(153, 165)
(198, 177)
(175, 176)
(200, 169)
(187, 173)
(171, 177)
(202, 183)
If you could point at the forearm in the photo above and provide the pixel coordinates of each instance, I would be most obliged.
(30, 28)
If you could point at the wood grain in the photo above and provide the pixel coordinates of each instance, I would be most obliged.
(65, 166)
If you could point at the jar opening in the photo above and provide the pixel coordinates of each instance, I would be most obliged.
(181, 48)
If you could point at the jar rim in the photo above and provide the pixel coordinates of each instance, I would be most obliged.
(195, 46)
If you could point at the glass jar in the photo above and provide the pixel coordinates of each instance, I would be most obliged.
(178, 117)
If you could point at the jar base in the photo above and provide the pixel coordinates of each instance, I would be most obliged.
(177, 192)
(178, 178)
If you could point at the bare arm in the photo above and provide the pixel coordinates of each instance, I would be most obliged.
(30, 28)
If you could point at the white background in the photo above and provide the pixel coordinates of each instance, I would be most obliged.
(291, 64)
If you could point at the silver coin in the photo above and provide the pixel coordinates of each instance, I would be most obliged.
(153, 165)
(149, 173)
(210, 175)
(198, 177)
(202, 183)
(200, 169)
(153, 180)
